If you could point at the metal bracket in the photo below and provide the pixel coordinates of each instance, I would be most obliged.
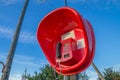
(3, 66)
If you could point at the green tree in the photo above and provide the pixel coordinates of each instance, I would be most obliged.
(47, 73)
(110, 74)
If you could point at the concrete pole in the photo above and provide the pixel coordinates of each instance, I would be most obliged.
(6, 71)
(65, 77)
(98, 72)
(74, 77)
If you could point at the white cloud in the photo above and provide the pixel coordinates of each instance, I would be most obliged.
(116, 67)
(8, 2)
(29, 61)
(97, 4)
(6, 32)
(26, 60)
(23, 61)
(2, 57)
(115, 2)
(40, 1)
(15, 77)
(92, 74)
(25, 37)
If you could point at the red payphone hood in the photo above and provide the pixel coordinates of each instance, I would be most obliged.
(57, 23)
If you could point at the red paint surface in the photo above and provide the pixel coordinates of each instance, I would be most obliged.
(57, 23)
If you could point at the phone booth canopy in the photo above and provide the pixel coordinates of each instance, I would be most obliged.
(67, 40)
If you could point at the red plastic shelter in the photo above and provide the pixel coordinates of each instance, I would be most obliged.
(67, 27)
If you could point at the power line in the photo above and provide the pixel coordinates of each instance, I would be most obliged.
(65, 1)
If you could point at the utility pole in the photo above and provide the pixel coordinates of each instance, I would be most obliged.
(6, 71)
(98, 72)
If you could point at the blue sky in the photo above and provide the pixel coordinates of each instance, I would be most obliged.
(104, 16)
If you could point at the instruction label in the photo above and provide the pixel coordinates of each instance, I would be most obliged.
(80, 43)
(68, 35)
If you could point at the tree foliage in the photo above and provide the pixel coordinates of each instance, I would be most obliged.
(47, 73)
(83, 76)
(110, 74)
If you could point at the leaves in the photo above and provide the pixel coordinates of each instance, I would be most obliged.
(110, 74)
(47, 73)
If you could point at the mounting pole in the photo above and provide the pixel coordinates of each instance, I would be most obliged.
(65, 77)
(6, 71)
(74, 77)
(98, 72)
(3, 66)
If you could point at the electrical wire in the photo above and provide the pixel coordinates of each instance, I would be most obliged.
(57, 63)
(65, 1)
(55, 72)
